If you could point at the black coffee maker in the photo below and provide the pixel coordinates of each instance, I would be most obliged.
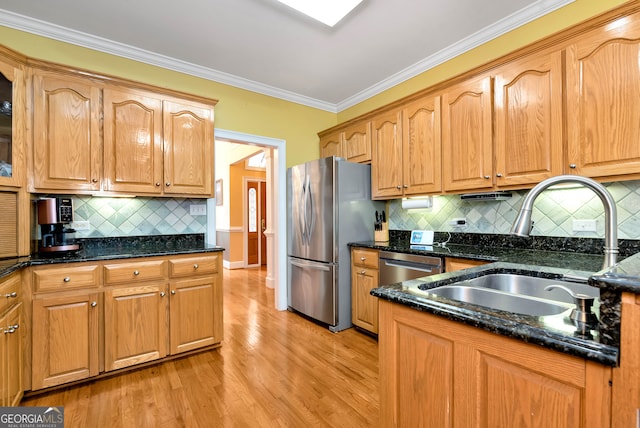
(54, 215)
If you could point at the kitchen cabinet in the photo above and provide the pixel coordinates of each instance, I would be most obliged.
(439, 373)
(467, 144)
(331, 144)
(364, 278)
(452, 264)
(12, 330)
(67, 151)
(626, 377)
(13, 123)
(357, 142)
(386, 163)
(528, 120)
(603, 107)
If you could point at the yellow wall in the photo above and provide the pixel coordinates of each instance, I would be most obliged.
(248, 112)
(237, 110)
(576, 12)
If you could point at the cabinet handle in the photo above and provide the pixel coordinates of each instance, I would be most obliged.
(157, 184)
(66, 279)
(94, 304)
(136, 272)
(167, 184)
(195, 266)
(11, 329)
(10, 295)
(498, 175)
(162, 294)
(486, 177)
(173, 292)
(572, 165)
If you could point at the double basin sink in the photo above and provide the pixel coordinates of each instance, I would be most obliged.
(514, 293)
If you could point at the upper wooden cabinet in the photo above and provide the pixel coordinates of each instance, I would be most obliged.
(357, 142)
(12, 122)
(66, 133)
(603, 100)
(331, 144)
(467, 146)
(528, 120)
(386, 163)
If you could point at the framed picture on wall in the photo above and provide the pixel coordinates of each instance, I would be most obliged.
(219, 192)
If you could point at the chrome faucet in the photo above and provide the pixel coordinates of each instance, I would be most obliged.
(522, 225)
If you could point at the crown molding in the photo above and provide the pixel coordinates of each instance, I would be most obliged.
(63, 34)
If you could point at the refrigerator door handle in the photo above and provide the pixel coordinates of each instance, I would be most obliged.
(311, 221)
(315, 266)
(303, 220)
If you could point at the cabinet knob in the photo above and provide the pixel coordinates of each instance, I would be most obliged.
(486, 177)
(136, 272)
(167, 184)
(406, 186)
(94, 180)
(363, 259)
(162, 294)
(94, 304)
(363, 272)
(10, 295)
(195, 266)
(498, 175)
(157, 184)
(173, 292)
(66, 279)
(398, 187)
(11, 329)
(572, 165)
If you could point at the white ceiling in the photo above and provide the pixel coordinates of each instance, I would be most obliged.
(264, 46)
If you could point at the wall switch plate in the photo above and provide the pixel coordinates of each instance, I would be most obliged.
(198, 209)
(584, 225)
(458, 222)
(80, 225)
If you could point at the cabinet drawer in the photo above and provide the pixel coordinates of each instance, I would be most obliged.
(135, 271)
(66, 277)
(199, 265)
(365, 258)
(10, 291)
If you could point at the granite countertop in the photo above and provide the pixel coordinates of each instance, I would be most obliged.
(624, 276)
(96, 249)
(554, 332)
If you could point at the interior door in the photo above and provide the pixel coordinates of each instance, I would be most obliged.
(253, 228)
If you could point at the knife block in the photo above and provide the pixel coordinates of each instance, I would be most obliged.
(382, 235)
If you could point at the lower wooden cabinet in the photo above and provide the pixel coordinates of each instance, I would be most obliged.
(452, 264)
(440, 373)
(64, 338)
(12, 330)
(364, 278)
(129, 312)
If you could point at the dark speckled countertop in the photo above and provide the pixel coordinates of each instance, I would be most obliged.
(555, 332)
(95, 249)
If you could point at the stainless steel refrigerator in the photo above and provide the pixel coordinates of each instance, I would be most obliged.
(328, 205)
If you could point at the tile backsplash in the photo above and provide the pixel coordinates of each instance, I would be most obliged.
(553, 213)
(111, 217)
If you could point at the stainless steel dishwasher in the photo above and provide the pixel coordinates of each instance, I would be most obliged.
(397, 267)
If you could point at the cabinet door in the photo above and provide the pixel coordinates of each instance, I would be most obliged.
(195, 313)
(188, 148)
(65, 339)
(132, 142)
(331, 145)
(528, 118)
(467, 135)
(421, 146)
(12, 326)
(364, 305)
(357, 142)
(67, 152)
(603, 100)
(135, 325)
(386, 161)
(12, 124)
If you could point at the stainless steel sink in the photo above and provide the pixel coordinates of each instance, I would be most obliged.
(500, 300)
(515, 293)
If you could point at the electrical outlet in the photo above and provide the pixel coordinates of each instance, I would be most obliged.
(584, 225)
(198, 209)
(80, 225)
(458, 222)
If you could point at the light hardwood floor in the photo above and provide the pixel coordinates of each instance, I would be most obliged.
(274, 369)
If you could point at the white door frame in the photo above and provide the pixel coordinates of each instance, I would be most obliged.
(277, 220)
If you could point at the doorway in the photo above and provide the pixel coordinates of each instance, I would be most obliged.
(255, 198)
(275, 190)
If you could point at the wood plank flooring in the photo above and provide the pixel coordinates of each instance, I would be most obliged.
(274, 369)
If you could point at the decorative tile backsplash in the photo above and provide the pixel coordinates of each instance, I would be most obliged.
(111, 217)
(553, 213)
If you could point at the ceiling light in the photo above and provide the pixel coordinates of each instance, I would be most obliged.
(326, 11)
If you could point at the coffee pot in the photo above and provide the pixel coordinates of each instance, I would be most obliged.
(54, 216)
